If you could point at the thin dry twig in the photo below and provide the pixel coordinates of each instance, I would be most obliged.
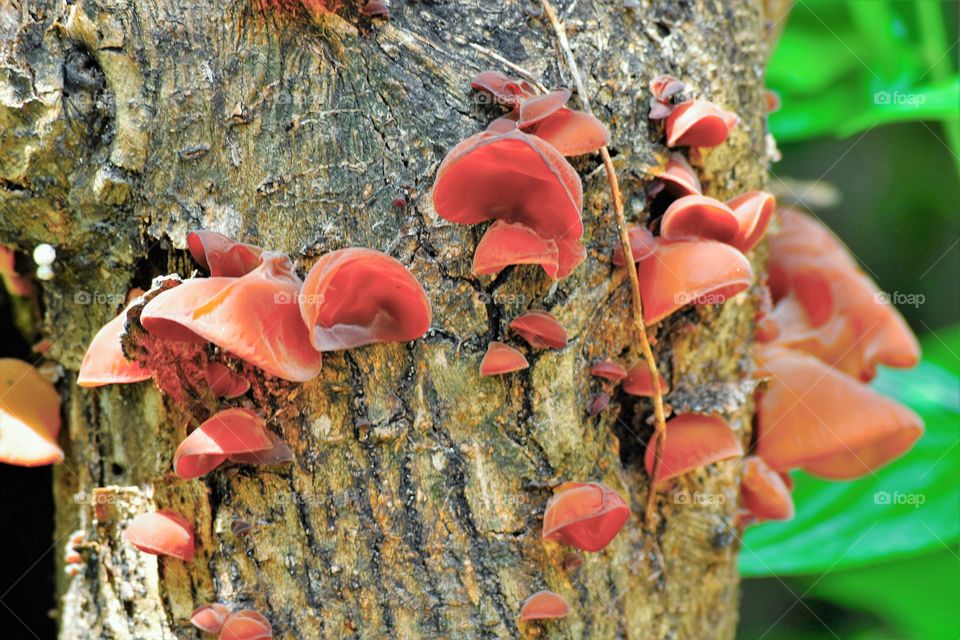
(660, 434)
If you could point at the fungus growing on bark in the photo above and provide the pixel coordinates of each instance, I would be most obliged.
(228, 433)
(376, 9)
(608, 371)
(678, 177)
(544, 605)
(246, 624)
(278, 453)
(534, 109)
(29, 416)
(501, 358)
(586, 516)
(165, 533)
(505, 243)
(104, 362)
(254, 317)
(222, 256)
(642, 245)
(225, 383)
(753, 211)
(699, 123)
(663, 89)
(763, 492)
(816, 418)
(682, 273)
(355, 297)
(209, 618)
(638, 382)
(693, 441)
(541, 330)
(572, 133)
(598, 403)
(695, 217)
(503, 88)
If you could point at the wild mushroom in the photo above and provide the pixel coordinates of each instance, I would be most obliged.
(104, 362)
(642, 245)
(638, 382)
(506, 243)
(544, 605)
(222, 256)
(753, 211)
(682, 273)
(29, 416)
(829, 424)
(540, 329)
(503, 88)
(693, 441)
(256, 318)
(763, 492)
(695, 217)
(278, 453)
(501, 358)
(224, 382)
(355, 297)
(246, 624)
(209, 618)
(229, 432)
(572, 133)
(533, 109)
(699, 123)
(608, 371)
(165, 533)
(586, 516)
(678, 177)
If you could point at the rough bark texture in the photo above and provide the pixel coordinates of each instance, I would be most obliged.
(413, 509)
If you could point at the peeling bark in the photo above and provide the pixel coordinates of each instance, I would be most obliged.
(413, 508)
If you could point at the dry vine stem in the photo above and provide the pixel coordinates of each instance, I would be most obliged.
(661, 423)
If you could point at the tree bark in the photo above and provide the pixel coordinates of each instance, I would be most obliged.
(414, 507)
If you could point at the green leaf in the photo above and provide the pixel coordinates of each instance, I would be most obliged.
(906, 508)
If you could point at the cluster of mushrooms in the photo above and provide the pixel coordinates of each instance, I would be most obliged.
(214, 337)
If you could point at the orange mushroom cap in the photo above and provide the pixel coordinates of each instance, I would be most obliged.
(682, 273)
(165, 533)
(544, 605)
(254, 317)
(501, 358)
(229, 432)
(829, 424)
(224, 382)
(104, 362)
(355, 297)
(608, 370)
(692, 441)
(209, 618)
(541, 330)
(29, 416)
(695, 217)
(510, 176)
(763, 492)
(642, 244)
(503, 124)
(534, 109)
(505, 89)
(570, 254)
(246, 624)
(599, 402)
(639, 383)
(753, 211)
(699, 123)
(679, 178)
(278, 453)
(586, 516)
(506, 243)
(572, 133)
(664, 87)
(222, 256)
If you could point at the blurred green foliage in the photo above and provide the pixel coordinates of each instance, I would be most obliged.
(846, 67)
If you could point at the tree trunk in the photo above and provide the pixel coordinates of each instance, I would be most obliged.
(414, 507)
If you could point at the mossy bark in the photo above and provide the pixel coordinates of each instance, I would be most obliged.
(413, 508)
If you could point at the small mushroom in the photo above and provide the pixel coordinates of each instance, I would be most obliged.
(763, 492)
(571, 132)
(501, 358)
(355, 297)
(665, 87)
(227, 433)
(165, 533)
(679, 178)
(692, 441)
(639, 383)
(29, 416)
(278, 453)
(544, 605)
(682, 273)
(598, 403)
(503, 88)
(104, 362)
(586, 516)
(506, 243)
(536, 108)
(608, 370)
(698, 217)
(642, 245)
(699, 123)
(376, 9)
(255, 317)
(209, 618)
(246, 624)
(753, 211)
(222, 256)
(541, 330)
(225, 383)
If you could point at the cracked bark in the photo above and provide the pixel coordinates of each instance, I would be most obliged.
(413, 509)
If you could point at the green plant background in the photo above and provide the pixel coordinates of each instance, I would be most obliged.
(870, 97)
